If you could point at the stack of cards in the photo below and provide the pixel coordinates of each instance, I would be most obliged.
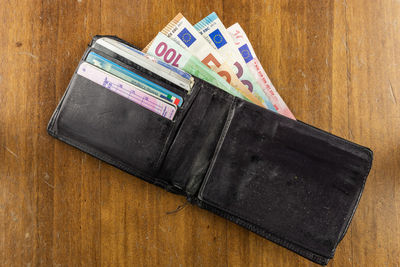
(207, 50)
(134, 85)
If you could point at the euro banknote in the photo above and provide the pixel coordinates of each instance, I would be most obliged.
(170, 52)
(214, 31)
(244, 46)
(183, 33)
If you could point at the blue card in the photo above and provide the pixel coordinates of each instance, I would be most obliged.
(133, 78)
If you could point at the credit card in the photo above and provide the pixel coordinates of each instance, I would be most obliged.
(168, 72)
(127, 90)
(133, 78)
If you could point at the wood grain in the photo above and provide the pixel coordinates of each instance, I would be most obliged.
(335, 63)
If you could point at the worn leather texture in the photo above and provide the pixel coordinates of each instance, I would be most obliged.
(287, 181)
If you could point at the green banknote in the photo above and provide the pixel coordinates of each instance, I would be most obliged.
(184, 34)
(172, 53)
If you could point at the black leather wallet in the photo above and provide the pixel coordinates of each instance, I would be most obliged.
(287, 181)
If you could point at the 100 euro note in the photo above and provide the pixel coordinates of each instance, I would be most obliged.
(183, 33)
(214, 31)
(170, 52)
(243, 44)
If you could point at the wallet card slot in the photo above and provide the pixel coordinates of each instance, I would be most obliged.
(115, 129)
(290, 181)
(112, 124)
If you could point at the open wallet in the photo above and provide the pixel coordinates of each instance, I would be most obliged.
(280, 178)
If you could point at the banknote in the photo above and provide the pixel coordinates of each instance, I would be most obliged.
(243, 45)
(214, 31)
(167, 50)
(171, 73)
(127, 90)
(133, 78)
(183, 33)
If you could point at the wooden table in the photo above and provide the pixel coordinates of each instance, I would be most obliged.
(335, 63)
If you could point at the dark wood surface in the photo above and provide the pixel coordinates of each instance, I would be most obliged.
(335, 63)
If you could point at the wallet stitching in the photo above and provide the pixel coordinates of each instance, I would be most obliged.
(262, 232)
(232, 213)
(350, 217)
(259, 229)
